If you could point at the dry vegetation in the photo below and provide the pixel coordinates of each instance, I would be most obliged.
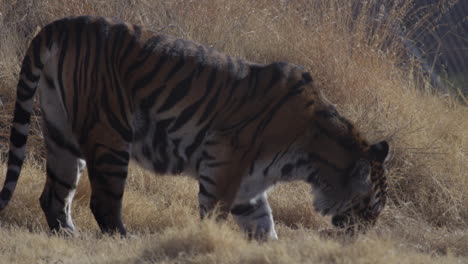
(426, 220)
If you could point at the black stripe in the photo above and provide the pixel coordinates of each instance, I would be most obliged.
(95, 69)
(178, 93)
(207, 179)
(118, 37)
(150, 47)
(243, 123)
(246, 209)
(48, 36)
(17, 139)
(204, 192)
(332, 113)
(204, 156)
(120, 126)
(26, 70)
(186, 115)
(286, 169)
(83, 80)
(87, 56)
(217, 163)
(345, 139)
(24, 92)
(115, 84)
(21, 116)
(160, 143)
(207, 156)
(14, 160)
(211, 142)
(50, 82)
(179, 166)
(261, 216)
(275, 75)
(198, 139)
(12, 176)
(265, 171)
(234, 85)
(116, 174)
(253, 80)
(36, 45)
(131, 45)
(141, 128)
(198, 164)
(115, 158)
(76, 87)
(121, 154)
(5, 195)
(60, 69)
(150, 76)
(257, 155)
(160, 134)
(312, 177)
(213, 101)
(148, 101)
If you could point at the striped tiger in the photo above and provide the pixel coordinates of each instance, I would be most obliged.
(112, 91)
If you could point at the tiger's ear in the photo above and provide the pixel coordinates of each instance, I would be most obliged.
(306, 78)
(380, 151)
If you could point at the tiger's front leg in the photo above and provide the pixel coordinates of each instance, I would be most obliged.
(207, 195)
(255, 217)
(213, 189)
(217, 173)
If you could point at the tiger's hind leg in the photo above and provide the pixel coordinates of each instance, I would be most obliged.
(64, 168)
(107, 157)
(64, 159)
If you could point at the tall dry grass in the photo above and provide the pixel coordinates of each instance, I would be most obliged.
(363, 73)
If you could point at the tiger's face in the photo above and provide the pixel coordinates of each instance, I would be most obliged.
(366, 207)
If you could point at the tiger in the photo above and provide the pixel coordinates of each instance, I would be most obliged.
(112, 92)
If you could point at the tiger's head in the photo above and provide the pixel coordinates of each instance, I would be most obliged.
(355, 198)
(368, 181)
(347, 174)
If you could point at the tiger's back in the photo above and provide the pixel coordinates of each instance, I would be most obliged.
(112, 91)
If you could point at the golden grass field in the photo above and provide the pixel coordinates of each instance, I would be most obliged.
(426, 220)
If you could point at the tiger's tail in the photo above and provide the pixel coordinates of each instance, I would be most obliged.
(28, 80)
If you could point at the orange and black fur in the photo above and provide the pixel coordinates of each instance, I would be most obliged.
(111, 91)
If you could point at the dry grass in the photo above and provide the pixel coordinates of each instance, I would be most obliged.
(425, 221)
